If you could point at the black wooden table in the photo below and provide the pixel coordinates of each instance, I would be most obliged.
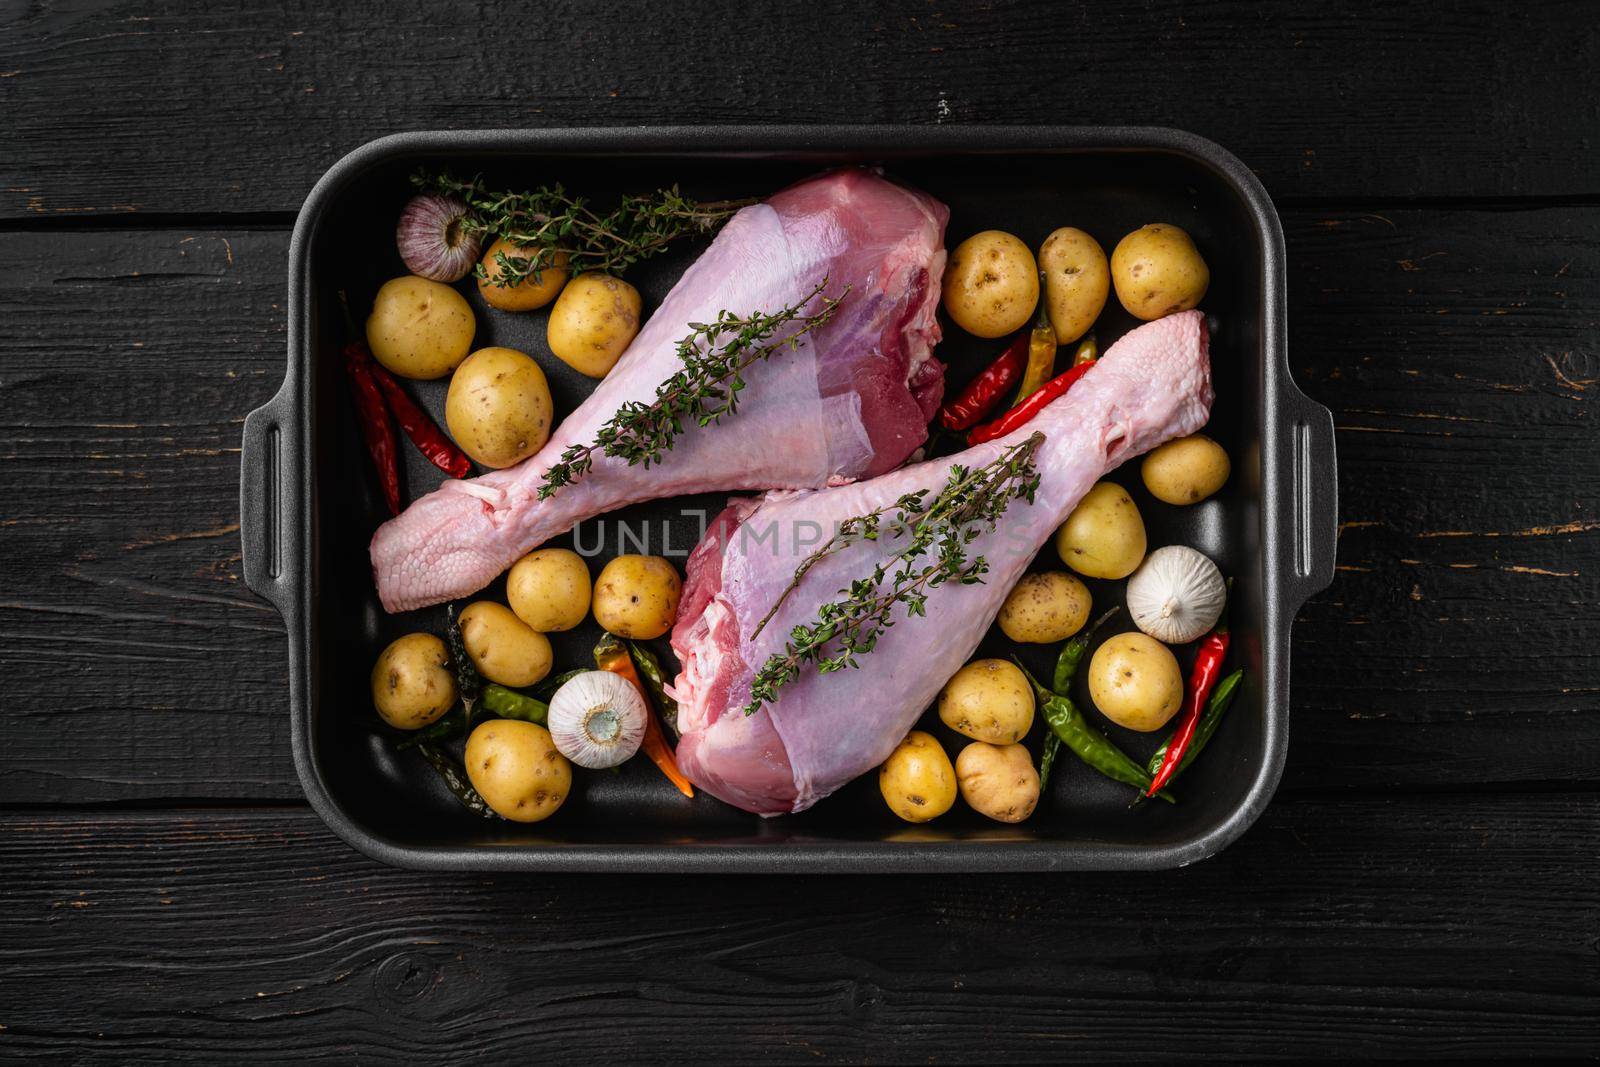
(1427, 881)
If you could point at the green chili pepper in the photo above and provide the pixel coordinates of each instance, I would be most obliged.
(455, 780)
(468, 684)
(1216, 707)
(1088, 744)
(450, 725)
(649, 668)
(1067, 662)
(510, 704)
(547, 688)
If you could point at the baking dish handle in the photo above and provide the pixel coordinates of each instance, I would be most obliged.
(268, 460)
(1314, 487)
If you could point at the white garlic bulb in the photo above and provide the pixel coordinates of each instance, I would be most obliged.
(433, 239)
(597, 719)
(1176, 595)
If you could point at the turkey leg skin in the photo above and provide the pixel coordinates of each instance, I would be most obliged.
(852, 400)
(825, 729)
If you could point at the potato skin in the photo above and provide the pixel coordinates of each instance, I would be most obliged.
(595, 319)
(418, 328)
(991, 284)
(1104, 536)
(515, 767)
(1135, 682)
(1185, 471)
(550, 589)
(998, 781)
(498, 408)
(917, 781)
(1045, 608)
(1077, 281)
(527, 294)
(1158, 271)
(637, 596)
(988, 700)
(411, 682)
(503, 647)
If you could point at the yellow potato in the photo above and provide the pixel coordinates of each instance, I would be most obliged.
(917, 780)
(991, 284)
(637, 596)
(998, 781)
(515, 767)
(418, 328)
(526, 294)
(411, 682)
(503, 647)
(1185, 471)
(498, 408)
(1135, 682)
(988, 700)
(594, 320)
(1076, 281)
(1045, 608)
(549, 589)
(1104, 535)
(1157, 271)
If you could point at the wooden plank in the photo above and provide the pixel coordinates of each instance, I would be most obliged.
(1457, 646)
(131, 360)
(1442, 926)
(116, 107)
(1461, 639)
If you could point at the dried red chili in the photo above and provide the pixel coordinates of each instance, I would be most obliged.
(1024, 412)
(1207, 669)
(984, 392)
(376, 428)
(423, 431)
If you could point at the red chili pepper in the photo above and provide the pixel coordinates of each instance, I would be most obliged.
(1025, 411)
(1207, 669)
(423, 431)
(375, 426)
(984, 392)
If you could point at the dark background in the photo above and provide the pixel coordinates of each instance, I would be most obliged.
(1427, 881)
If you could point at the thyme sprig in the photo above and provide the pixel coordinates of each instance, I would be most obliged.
(546, 223)
(938, 533)
(715, 356)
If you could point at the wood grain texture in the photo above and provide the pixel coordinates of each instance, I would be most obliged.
(1381, 926)
(116, 107)
(1458, 645)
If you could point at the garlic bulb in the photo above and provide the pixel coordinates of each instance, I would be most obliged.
(597, 719)
(1176, 595)
(432, 240)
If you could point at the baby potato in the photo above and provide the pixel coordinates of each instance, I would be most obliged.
(526, 294)
(998, 781)
(1104, 535)
(594, 320)
(549, 589)
(1076, 281)
(917, 780)
(498, 408)
(991, 284)
(418, 328)
(988, 700)
(637, 596)
(1157, 271)
(1135, 682)
(515, 767)
(503, 647)
(411, 682)
(1185, 471)
(1045, 608)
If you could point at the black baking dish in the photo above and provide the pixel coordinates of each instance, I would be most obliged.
(309, 504)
